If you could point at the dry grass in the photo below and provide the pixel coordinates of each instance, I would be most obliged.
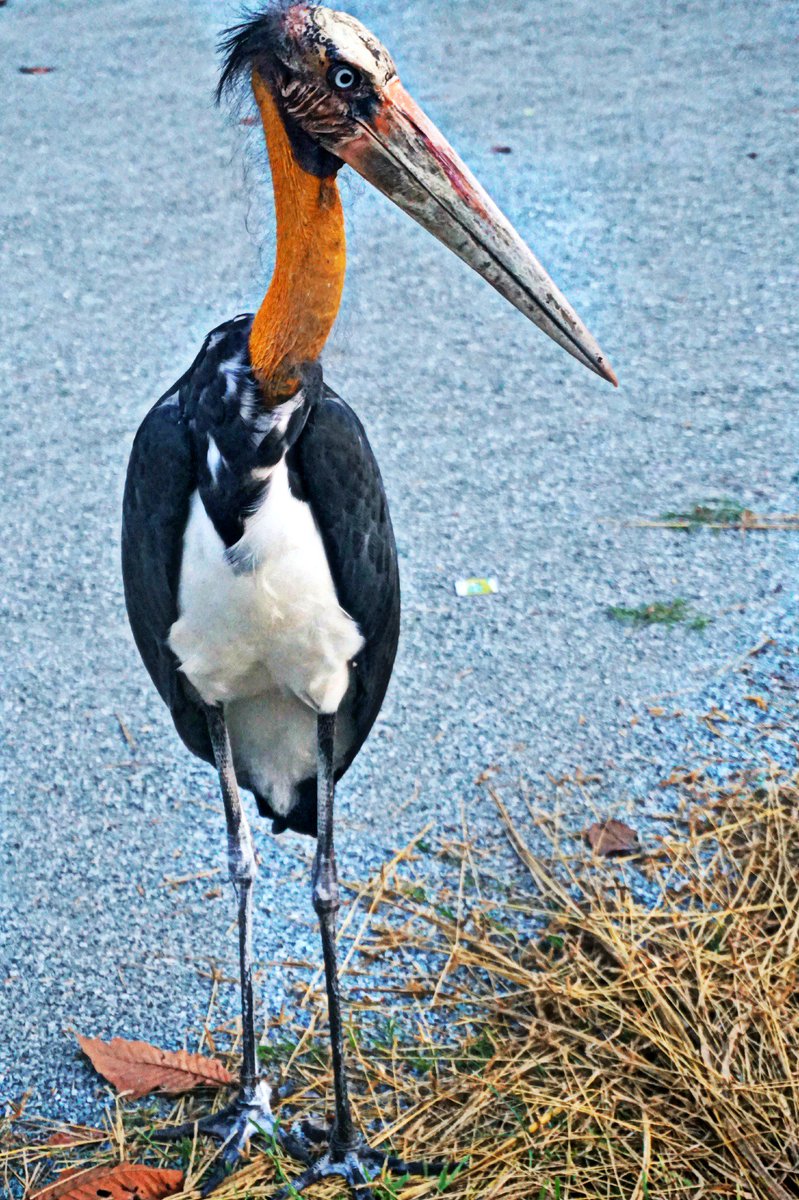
(722, 514)
(625, 1051)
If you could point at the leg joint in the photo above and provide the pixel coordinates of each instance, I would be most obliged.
(324, 904)
(241, 859)
(325, 891)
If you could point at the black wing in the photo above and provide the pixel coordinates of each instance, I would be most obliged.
(331, 465)
(341, 480)
(161, 478)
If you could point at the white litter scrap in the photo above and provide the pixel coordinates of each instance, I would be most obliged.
(477, 586)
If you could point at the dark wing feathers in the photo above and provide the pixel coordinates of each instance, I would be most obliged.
(162, 476)
(342, 481)
(160, 480)
(334, 469)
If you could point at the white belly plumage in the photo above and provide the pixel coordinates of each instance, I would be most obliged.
(271, 643)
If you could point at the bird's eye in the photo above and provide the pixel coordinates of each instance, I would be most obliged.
(343, 78)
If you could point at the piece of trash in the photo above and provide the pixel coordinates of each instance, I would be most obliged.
(35, 70)
(476, 586)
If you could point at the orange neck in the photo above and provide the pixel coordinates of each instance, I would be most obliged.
(298, 311)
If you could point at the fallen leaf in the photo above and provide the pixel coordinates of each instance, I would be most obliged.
(18, 1106)
(36, 70)
(679, 776)
(137, 1068)
(656, 711)
(760, 701)
(611, 837)
(125, 1181)
(75, 1135)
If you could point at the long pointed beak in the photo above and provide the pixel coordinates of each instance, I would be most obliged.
(401, 152)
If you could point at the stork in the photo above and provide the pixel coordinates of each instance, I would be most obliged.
(258, 556)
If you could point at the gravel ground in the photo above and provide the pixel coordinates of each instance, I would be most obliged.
(651, 169)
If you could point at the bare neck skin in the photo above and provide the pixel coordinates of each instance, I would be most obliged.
(304, 296)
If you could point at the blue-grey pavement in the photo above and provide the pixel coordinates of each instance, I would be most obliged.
(653, 170)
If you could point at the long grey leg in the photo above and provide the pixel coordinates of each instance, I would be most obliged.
(241, 861)
(347, 1157)
(250, 1113)
(326, 904)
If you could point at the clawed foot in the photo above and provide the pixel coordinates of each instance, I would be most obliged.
(357, 1164)
(314, 1145)
(249, 1114)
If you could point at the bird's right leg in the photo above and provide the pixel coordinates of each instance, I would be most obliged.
(347, 1157)
(250, 1112)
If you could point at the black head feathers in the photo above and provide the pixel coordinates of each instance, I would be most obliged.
(253, 42)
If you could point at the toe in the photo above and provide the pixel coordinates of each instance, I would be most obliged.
(214, 1180)
(316, 1132)
(360, 1184)
(305, 1139)
(302, 1140)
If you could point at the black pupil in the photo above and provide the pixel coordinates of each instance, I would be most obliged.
(344, 77)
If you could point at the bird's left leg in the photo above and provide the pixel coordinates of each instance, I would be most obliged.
(251, 1111)
(347, 1155)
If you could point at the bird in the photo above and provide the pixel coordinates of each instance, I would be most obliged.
(258, 556)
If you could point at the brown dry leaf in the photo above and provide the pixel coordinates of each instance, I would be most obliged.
(137, 1068)
(760, 701)
(75, 1135)
(611, 837)
(125, 1181)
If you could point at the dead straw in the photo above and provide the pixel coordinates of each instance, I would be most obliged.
(570, 1041)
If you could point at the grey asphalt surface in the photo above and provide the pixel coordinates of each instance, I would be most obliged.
(653, 170)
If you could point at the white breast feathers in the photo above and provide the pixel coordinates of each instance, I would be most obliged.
(277, 625)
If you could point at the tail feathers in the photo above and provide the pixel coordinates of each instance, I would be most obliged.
(301, 818)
